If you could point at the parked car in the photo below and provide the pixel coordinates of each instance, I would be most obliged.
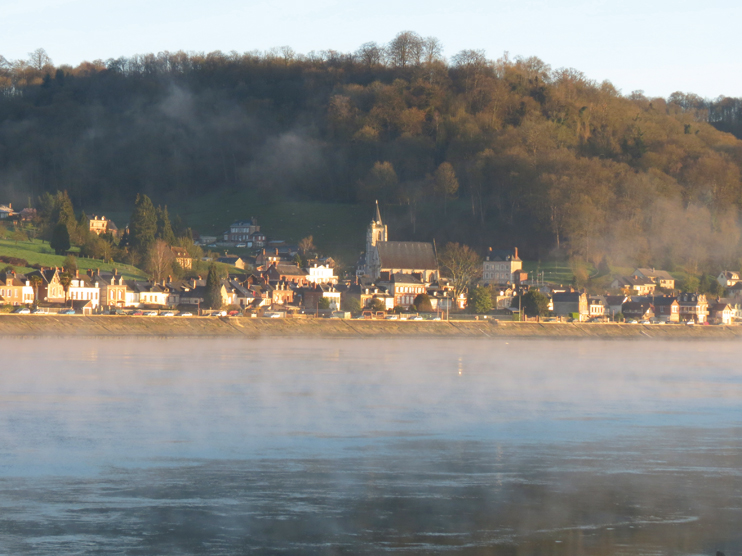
(632, 321)
(167, 314)
(240, 245)
(22, 311)
(392, 317)
(186, 314)
(150, 313)
(67, 312)
(38, 312)
(137, 313)
(416, 317)
(233, 313)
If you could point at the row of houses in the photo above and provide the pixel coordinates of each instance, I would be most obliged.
(686, 307)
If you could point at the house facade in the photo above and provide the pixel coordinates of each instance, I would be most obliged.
(321, 274)
(728, 278)
(567, 304)
(101, 225)
(16, 289)
(503, 267)
(666, 309)
(693, 307)
(661, 278)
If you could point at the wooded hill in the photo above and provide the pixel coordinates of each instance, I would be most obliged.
(472, 150)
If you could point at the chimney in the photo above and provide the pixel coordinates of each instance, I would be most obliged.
(169, 278)
(115, 271)
(516, 252)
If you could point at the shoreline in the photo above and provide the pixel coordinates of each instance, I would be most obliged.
(117, 326)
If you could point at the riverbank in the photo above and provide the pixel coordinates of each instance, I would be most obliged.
(129, 326)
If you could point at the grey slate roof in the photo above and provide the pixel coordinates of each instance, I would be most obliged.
(412, 255)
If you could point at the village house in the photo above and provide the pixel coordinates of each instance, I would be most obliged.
(666, 309)
(6, 211)
(50, 288)
(693, 307)
(571, 304)
(278, 272)
(112, 289)
(720, 312)
(404, 288)
(321, 274)
(101, 225)
(736, 306)
(728, 278)
(312, 294)
(84, 288)
(243, 231)
(661, 278)
(597, 306)
(638, 310)
(503, 267)
(634, 284)
(232, 260)
(182, 258)
(15, 289)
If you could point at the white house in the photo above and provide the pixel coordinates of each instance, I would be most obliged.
(321, 274)
(85, 288)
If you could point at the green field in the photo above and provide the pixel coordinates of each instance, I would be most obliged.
(339, 230)
(39, 252)
(554, 272)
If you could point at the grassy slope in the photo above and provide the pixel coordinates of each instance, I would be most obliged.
(38, 252)
(339, 230)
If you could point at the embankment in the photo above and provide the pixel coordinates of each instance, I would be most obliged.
(119, 326)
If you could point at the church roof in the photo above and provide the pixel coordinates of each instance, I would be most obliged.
(378, 214)
(412, 255)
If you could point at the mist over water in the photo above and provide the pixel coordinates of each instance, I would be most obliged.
(281, 446)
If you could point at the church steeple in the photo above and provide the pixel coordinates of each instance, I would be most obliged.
(377, 232)
(378, 214)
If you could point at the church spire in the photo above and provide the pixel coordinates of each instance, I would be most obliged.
(378, 214)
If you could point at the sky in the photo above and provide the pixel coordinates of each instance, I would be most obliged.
(657, 46)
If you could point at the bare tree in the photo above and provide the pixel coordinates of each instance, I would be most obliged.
(160, 260)
(39, 58)
(432, 50)
(406, 49)
(462, 265)
(446, 184)
(306, 245)
(370, 54)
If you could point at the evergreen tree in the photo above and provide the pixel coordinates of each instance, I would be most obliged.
(60, 240)
(63, 210)
(213, 295)
(164, 229)
(143, 225)
(422, 303)
(534, 303)
(480, 300)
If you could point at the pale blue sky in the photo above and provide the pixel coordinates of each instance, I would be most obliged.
(658, 46)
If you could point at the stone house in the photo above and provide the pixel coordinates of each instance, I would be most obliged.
(567, 304)
(503, 267)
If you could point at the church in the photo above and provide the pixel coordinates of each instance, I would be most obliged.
(384, 258)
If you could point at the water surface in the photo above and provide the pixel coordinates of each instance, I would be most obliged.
(279, 446)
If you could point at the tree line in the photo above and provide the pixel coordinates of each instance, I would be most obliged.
(465, 149)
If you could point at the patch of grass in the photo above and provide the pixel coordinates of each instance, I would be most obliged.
(39, 252)
(555, 272)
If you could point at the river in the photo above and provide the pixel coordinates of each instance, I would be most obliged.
(409, 446)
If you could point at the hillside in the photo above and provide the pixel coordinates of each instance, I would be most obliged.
(472, 150)
(39, 252)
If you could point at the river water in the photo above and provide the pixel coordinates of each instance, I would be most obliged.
(323, 446)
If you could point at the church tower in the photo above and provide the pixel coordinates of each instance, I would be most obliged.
(376, 232)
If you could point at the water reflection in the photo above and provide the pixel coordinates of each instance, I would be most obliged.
(363, 447)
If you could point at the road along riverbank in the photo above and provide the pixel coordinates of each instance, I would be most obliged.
(128, 326)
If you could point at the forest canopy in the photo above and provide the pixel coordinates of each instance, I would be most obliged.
(467, 149)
